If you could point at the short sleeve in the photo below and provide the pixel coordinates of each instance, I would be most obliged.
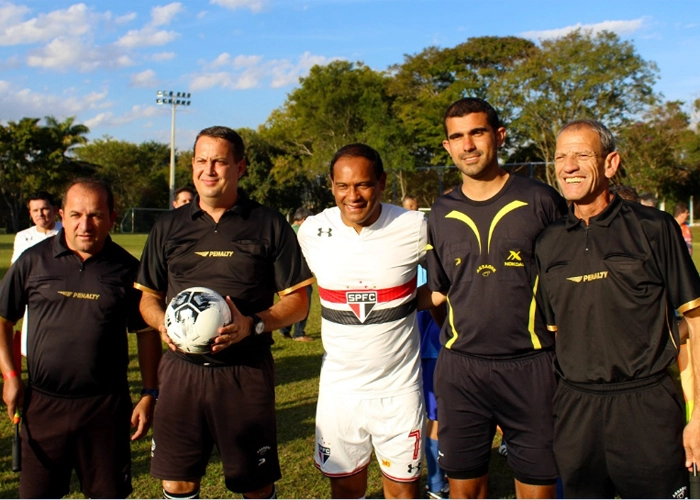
(153, 270)
(679, 271)
(13, 294)
(291, 270)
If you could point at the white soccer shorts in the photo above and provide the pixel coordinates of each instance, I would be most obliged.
(348, 427)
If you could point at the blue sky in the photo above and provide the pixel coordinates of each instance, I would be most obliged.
(104, 61)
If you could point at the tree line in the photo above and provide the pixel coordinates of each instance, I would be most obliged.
(536, 88)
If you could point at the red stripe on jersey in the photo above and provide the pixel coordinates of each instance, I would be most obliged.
(384, 295)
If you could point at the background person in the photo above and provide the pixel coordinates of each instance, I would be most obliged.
(495, 365)
(247, 253)
(611, 272)
(77, 407)
(364, 254)
(681, 214)
(299, 328)
(42, 211)
(410, 202)
(648, 200)
(183, 196)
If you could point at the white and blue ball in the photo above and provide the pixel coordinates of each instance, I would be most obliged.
(193, 319)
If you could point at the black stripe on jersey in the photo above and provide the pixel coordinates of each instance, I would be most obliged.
(375, 318)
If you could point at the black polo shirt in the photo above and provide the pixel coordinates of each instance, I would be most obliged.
(609, 290)
(250, 255)
(79, 313)
(482, 258)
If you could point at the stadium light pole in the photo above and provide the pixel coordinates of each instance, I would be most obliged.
(175, 99)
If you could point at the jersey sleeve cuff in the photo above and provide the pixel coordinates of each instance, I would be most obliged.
(688, 306)
(143, 288)
(291, 289)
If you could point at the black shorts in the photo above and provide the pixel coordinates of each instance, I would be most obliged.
(88, 434)
(230, 406)
(624, 439)
(476, 394)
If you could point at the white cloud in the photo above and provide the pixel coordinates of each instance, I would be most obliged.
(146, 37)
(145, 78)
(149, 36)
(19, 102)
(162, 16)
(619, 27)
(246, 61)
(202, 14)
(162, 56)
(64, 54)
(253, 5)
(77, 20)
(246, 72)
(284, 73)
(109, 119)
(126, 18)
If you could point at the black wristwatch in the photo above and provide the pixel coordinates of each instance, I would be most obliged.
(258, 326)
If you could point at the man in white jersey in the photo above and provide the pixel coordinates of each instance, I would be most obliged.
(42, 211)
(364, 255)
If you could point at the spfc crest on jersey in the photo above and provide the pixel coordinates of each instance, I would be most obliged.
(361, 303)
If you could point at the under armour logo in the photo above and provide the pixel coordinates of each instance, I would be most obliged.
(327, 231)
(412, 467)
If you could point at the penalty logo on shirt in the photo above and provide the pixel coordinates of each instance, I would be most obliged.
(361, 303)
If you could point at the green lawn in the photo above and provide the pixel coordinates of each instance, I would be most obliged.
(297, 370)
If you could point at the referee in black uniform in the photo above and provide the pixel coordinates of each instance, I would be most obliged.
(495, 368)
(78, 287)
(611, 274)
(247, 253)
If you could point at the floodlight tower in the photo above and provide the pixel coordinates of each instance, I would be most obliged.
(175, 99)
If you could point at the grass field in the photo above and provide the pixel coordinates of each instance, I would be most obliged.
(297, 370)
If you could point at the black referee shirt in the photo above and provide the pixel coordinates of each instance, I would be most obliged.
(79, 313)
(482, 258)
(250, 255)
(609, 290)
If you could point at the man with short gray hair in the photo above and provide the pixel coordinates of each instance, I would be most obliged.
(611, 274)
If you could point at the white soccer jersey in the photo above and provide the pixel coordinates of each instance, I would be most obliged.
(367, 285)
(30, 237)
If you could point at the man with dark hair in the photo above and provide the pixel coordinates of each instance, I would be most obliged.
(77, 408)
(681, 214)
(495, 368)
(364, 254)
(297, 331)
(409, 202)
(611, 274)
(247, 253)
(42, 211)
(183, 196)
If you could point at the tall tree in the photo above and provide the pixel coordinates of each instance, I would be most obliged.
(335, 105)
(35, 157)
(425, 84)
(137, 172)
(580, 75)
(661, 153)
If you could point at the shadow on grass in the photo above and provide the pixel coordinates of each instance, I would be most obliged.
(297, 368)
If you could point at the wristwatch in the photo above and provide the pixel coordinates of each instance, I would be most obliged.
(258, 326)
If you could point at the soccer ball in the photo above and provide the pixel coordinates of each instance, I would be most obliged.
(194, 317)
